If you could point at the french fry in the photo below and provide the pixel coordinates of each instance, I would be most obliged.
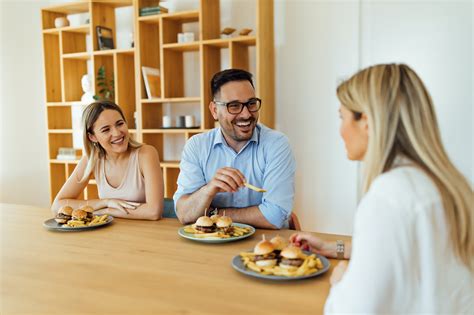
(247, 254)
(189, 229)
(103, 218)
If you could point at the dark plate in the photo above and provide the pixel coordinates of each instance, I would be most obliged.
(238, 265)
(53, 225)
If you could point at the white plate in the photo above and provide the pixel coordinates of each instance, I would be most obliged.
(238, 265)
(190, 236)
(51, 224)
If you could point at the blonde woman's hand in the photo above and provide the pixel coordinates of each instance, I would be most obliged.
(308, 241)
(122, 205)
(338, 272)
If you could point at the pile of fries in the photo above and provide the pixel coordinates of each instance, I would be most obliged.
(310, 265)
(97, 220)
(235, 231)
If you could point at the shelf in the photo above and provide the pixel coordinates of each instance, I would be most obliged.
(57, 104)
(172, 131)
(127, 51)
(170, 164)
(172, 100)
(60, 131)
(192, 46)
(182, 17)
(246, 40)
(56, 161)
(77, 56)
(83, 29)
(150, 19)
(69, 8)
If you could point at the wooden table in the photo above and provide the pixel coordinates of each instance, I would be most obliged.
(136, 267)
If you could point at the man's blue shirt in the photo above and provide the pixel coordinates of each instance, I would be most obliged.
(266, 161)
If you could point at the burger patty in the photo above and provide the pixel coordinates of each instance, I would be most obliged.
(292, 262)
(205, 229)
(264, 257)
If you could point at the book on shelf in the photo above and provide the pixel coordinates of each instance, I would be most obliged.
(152, 11)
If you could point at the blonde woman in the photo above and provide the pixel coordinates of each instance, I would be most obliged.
(128, 173)
(413, 247)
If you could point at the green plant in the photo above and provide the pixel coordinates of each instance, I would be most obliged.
(106, 89)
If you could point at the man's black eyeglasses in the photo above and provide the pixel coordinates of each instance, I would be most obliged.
(236, 107)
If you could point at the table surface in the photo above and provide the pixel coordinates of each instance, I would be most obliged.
(137, 267)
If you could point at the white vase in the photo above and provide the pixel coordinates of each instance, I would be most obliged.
(61, 22)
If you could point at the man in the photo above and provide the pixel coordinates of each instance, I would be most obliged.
(215, 165)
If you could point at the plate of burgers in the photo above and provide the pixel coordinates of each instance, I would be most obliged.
(69, 219)
(216, 229)
(276, 260)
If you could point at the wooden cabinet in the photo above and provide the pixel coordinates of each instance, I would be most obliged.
(72, 51)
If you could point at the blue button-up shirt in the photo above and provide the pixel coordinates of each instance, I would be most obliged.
(266, 161)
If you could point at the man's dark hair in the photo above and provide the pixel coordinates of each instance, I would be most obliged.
(229, 75)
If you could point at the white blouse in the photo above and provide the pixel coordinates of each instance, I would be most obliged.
(402, 259)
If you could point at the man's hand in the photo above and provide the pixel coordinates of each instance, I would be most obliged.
(226, 179)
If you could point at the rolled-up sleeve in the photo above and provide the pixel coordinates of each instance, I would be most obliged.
(191, 176)
(279, 180)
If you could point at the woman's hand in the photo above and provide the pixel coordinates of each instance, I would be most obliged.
(308, 241)
(122, 205)
(338, 272)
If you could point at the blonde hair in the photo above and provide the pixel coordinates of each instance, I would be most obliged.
(95, 151)
(402, 121)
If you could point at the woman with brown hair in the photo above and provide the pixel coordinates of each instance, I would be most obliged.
(413, 242)
(127, 173)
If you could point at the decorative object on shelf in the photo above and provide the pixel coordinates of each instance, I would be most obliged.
(105, 39)
(132, 42)
(151, 77)
(61, 22)
(77, 108)
(190, 122)
(88, 96)
(106, 92)
(145, 11)
(245, 31)
(87, 21)
(166, 122)
(227, 31)
(180, 121)
(69, 154)
(186, 37)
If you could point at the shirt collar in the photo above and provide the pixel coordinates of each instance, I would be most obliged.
(219, 138)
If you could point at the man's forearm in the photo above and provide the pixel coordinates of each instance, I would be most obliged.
(251, 215)
(190, 207)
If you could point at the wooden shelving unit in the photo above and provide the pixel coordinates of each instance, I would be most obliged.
(67, 59)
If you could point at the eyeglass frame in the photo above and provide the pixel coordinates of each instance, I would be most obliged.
(245, 104)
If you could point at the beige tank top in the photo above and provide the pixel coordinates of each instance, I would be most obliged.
(132, 187)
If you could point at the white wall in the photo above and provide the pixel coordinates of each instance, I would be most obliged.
(24, 165)
(317, 44)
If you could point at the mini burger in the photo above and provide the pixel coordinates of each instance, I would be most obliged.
(224, 224)
(264, 254)
(215, 217)
(79, 215)
(291, 257)
(64, 214)
(278, 243)
(205, 224)
(90, 212)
